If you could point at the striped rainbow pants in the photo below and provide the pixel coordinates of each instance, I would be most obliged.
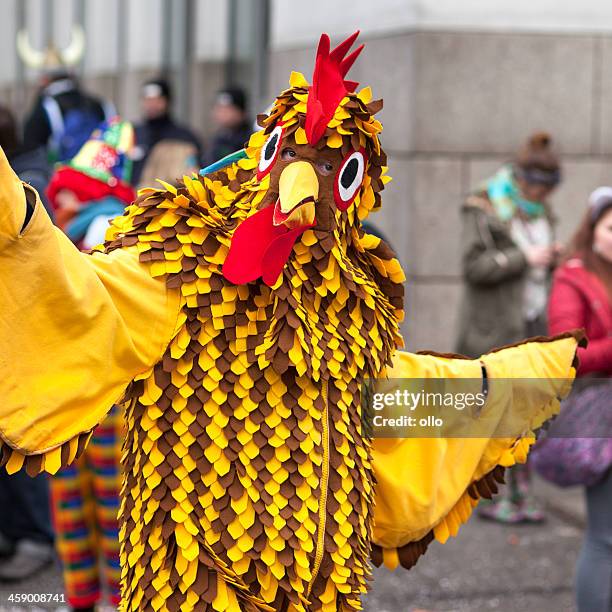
(85, 502)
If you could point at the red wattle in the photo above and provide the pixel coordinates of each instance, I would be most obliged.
(259, 248)
(277, 254)
(249, 243)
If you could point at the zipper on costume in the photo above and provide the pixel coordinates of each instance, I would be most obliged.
(324, 487)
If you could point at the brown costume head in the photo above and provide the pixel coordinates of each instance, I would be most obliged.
(319, 163)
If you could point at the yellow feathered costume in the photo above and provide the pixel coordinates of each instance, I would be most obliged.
(248, 480)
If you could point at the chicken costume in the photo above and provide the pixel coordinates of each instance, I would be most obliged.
(240, 313)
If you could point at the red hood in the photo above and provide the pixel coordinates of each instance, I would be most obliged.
(587, 284)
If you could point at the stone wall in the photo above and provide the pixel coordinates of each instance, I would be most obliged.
(457, 104)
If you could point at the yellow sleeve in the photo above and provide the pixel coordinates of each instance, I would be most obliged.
(427, 487)
(76, 329)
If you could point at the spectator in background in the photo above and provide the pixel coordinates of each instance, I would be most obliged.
(233, 126)
(94, 187)
(63, 116)
(30, 165)
(26, 537)
(581, 296)
(86, 193)
(508, 251)
(164, 148)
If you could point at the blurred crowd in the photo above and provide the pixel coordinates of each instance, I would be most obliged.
(519, 281)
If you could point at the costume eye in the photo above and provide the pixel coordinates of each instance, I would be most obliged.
(349, 179)
(269, 152)
(325, 168)
(288, 153)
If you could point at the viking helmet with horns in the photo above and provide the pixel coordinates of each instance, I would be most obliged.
(52, 58)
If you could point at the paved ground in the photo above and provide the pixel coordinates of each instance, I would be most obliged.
(488, 567)
(493, 567)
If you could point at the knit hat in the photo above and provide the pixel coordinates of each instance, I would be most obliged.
(157, 88)
(232, 96)
(600, 200)
(101, 168)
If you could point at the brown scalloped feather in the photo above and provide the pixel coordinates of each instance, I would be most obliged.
(35, 464)
(578, 334)
(444, 355)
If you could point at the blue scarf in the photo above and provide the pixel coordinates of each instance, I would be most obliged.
(506, 197)
(108, 207)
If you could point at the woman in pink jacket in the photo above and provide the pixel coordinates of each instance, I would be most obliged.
(582, 297)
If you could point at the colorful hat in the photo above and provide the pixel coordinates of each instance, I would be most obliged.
(102, 167)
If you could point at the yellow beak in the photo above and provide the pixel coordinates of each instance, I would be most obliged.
(298, 190)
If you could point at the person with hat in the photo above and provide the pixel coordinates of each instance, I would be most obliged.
(581, 296)
(507, 254)
(85, 193)
(229, 114)
(164, 148)
(63, 115)
(94, 186)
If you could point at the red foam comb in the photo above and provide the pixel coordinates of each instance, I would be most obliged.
(328, 84)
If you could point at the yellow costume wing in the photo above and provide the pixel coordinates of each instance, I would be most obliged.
(427, 487)
(75, 330)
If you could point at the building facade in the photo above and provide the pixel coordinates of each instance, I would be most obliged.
(464, 84)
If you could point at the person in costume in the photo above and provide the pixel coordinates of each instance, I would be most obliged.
(239, 313)
(508, 251)
(582, 296)
(85, 504)
(85, 193)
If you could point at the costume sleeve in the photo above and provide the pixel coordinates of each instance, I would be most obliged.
(567, 309)
(76, 329)
(483, 263)
(427, 487)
